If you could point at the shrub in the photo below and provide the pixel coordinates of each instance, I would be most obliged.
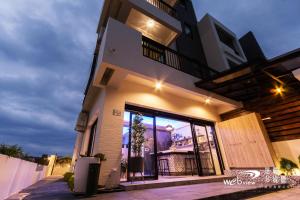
(71, 183)
(68, 175)
(69, 178)
(287, 166)
(11, 150)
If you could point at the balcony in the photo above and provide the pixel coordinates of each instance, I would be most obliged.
(171, 58)
(125, 52)
(163, 6)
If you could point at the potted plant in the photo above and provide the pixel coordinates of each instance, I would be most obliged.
(287, 166)
(124, 166)
(100, 156)
(137, 141)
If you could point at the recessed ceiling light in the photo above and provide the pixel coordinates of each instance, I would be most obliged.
(207, 101)
(150, 23)
(158, 85)
(278, 90)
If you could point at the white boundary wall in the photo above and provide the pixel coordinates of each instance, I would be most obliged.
(17, 174)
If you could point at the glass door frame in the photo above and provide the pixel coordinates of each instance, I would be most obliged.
(155, 113)
(155, 176)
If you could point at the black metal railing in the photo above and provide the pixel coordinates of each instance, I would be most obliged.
(163, 6)
(167, 56)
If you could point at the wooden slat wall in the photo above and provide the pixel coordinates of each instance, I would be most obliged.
(245, 142)
(284, 114)
(285, 119)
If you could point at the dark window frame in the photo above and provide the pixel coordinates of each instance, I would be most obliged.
(92, 138)
(189, 27)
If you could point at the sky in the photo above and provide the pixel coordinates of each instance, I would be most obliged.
(46, 48)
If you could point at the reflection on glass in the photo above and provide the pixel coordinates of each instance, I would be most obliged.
(174, 147)
(204, 150)
(210, 133)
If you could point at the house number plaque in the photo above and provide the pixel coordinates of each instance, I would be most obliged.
(116, 112)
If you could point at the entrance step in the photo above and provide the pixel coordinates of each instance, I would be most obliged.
(248, 193)
(169, 181)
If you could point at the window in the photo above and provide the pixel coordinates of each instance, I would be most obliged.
(182, 3)
(188, 30)
(232, 64)
(227, 39)
(92, 138)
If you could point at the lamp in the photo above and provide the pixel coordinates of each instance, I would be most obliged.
(169, 128)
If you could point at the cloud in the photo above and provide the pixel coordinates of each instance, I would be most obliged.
(45, 52)
(46, 47)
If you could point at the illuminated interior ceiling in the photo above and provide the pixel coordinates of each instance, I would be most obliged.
(150, 27)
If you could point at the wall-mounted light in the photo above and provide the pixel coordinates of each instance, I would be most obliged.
(150, 23)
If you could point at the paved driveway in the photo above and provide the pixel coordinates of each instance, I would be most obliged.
(54, 188)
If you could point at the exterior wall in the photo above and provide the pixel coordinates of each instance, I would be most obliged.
(77, 148)
(60, 170)
(186, 45)
(114, 53)
(215, 51)
(108, 138)
(17, 174)
(289, 149)
(51, 159)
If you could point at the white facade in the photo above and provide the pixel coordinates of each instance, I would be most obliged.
(124, 76)
(219, 56)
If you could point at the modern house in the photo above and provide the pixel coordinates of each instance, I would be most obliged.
(196, 89)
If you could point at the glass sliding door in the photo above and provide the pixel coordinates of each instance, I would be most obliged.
(157, 143)
(214, 149)
(203, 147)
(175, 147)
(142, 148)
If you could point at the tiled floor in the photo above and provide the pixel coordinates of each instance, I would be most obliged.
(290, 194)
(51, 188)
(54, 189)
(186, 192)
(167, 181)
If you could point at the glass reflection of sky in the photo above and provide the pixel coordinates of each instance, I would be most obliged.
(159, 121)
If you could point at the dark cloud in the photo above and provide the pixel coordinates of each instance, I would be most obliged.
(46, 48)
(45, 52)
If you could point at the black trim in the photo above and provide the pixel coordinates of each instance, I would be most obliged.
(193, 121)
(221, 162)
(92, 139)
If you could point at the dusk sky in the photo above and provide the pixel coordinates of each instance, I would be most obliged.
(46, 49)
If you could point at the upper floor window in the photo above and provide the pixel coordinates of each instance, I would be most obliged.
(92, 139)
(232, 64)
(188, 30)
(227, 39)
(182, 3)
